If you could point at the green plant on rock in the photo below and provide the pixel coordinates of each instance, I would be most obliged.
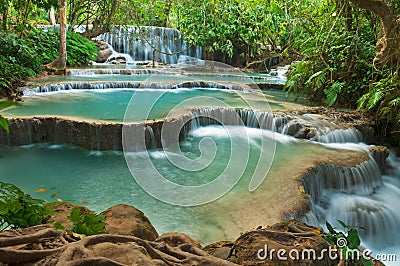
(20, 210)
(346, 242)
(87, 225)
(5, 104)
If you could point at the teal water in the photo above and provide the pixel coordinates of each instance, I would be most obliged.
(110, 105)
(100, 180)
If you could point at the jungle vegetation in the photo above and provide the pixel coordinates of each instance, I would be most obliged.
(345, 52)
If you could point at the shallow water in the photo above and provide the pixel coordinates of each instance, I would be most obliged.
(102, 179)
(111, 104)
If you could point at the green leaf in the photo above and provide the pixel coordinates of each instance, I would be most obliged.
(74, 216)
(58, 225)
(330, 228)
(333, 92)
(353, 239)
(5, 104)
(342, 224)
(4, 123)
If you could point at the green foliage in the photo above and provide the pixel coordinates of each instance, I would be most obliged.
(18, 209)
(338, 50)
(346, 241)
(383, 98)
(238, 28)
(21, 58)
(3, 121)
(333, 92)
(146, 12)
(80, 50)
(17, 60)
(89, 224)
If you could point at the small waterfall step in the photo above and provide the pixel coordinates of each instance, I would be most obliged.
(117, 71)
(130, 85)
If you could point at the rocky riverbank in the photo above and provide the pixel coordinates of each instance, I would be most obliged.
(132, 240)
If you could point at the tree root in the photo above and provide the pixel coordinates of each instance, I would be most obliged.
(21, 256)
(27, 239)
(178, 250)
(93, 261)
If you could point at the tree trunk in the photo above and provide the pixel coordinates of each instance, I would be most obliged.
(388, 46)
(52, 16)
(5, 14)
(59, 65)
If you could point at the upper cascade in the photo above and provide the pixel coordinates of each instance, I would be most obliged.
(144, 42)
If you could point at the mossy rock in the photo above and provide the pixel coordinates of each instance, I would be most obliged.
(62, 210)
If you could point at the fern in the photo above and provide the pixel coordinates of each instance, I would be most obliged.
(395, 102)
(314, 76)
(333, 92)
(374, 99)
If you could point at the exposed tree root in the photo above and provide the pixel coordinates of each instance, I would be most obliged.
(47, 246)
(26, 239)
(21, 256)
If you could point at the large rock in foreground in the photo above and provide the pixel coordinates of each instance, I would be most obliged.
(261, 246)
(123, 219)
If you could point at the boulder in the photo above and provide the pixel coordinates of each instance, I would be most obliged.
(62, 210)
(380, 153)
(123, 219)
(103, 55)
(104, 51)
(260, 247)
(221, 249)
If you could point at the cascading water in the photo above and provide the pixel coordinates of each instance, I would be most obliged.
(320, 130)
(358, 196)
(141, 42)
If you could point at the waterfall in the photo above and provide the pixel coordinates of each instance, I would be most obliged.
(232, 117)
(315, 128)
(358, 196)
(115, 71)
(339, 136)
(126, 85)
(135, 41)
(362, 179)
(150, 138)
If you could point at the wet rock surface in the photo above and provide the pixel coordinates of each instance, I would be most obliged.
(102, 135)
(380, 154)
(104, 51)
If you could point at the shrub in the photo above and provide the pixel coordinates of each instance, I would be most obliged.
(18, 209)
